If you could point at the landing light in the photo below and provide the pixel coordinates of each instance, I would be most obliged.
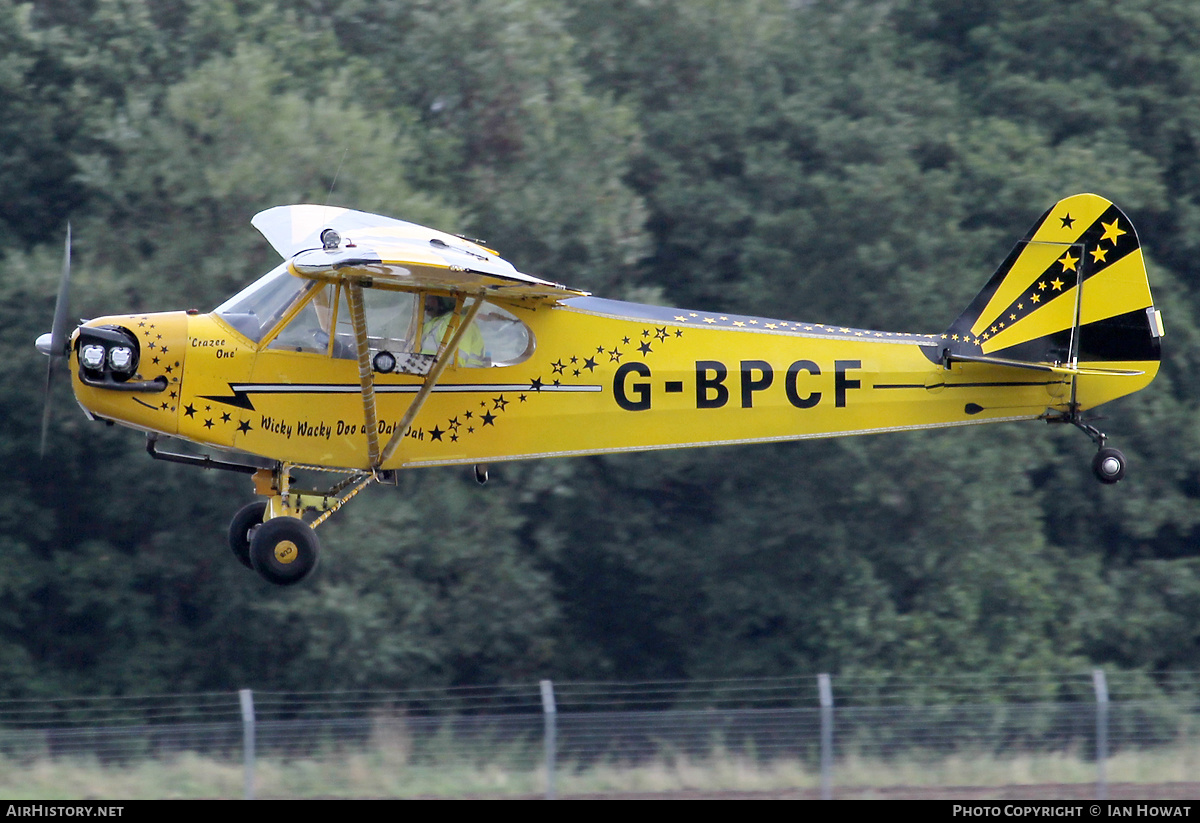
(330, 239)
(120, 358)
(92, 356)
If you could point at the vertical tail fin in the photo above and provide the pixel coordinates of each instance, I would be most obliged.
(1072, 292)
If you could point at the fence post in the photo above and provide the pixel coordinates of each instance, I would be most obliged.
(247, 699)
(826, 692)
(550, 721)
(1101, 686)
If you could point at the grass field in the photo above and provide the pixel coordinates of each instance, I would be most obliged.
(385, 773)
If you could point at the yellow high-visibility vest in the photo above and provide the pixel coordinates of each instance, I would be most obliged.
(471, 351)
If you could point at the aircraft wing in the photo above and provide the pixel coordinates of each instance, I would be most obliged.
(382, 250)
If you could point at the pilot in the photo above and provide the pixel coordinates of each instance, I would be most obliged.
(438, 313)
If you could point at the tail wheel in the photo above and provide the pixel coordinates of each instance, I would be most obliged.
(1108, 465)
(284, 550)
(244, 522)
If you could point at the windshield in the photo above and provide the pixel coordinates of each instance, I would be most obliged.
(256, 309)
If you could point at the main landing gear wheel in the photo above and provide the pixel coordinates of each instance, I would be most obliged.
(284, 550)
(243, 523)
(1108, 465)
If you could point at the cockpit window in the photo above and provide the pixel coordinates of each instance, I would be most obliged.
(256, 309)
(506, 340)
(309, 329)
(408, 325)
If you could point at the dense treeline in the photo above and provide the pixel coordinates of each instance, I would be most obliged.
(865, 163)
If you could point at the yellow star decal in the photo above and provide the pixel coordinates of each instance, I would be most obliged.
(1057, 284)
(1042, 286)
(1068, 262)
(1035, 297)
(1098, 255)
(1111, 231)
(738, 323)
(709, 320)
(681, 318)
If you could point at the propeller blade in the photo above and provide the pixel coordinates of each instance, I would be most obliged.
(58, 334)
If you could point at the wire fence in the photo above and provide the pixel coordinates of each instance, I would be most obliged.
(826, 736)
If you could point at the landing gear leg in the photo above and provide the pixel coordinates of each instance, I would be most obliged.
(1109, 464)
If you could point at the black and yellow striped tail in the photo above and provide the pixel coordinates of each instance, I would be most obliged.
(1072, 297)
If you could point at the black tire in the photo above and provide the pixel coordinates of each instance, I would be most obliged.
(243, 522)
(1108, 465)
(284, 550)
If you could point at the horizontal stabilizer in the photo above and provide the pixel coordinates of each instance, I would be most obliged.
(1056, 368)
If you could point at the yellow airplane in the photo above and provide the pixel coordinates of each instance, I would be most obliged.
(380, 345)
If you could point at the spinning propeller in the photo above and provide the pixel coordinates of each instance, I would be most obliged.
(54, 344)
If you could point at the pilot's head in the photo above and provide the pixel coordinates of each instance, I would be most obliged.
(438, 305)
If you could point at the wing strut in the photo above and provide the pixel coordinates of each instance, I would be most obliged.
(446, 352)
(365, 374)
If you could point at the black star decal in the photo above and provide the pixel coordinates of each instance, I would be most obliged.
(164, 406)
(679, 332)
(435, 433)
(1068, 221)
(614, 355)
(589, 364)
(150, 345)
(454, 438)
(521, 398)
(499, 403)
(625, 340)
(599, 350)
(454, 424)
(558, 366)
(189, 410)
(535, 384)
(574, 372)
(156, 361)
(644, 348)
(467, 415)
(225, 417)
(470, 429)
(645, 332)
(163, 349)
(174, 394)
(574, 359)
(244, 426)
(661, 334)
(488, 419)
(208, 424)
